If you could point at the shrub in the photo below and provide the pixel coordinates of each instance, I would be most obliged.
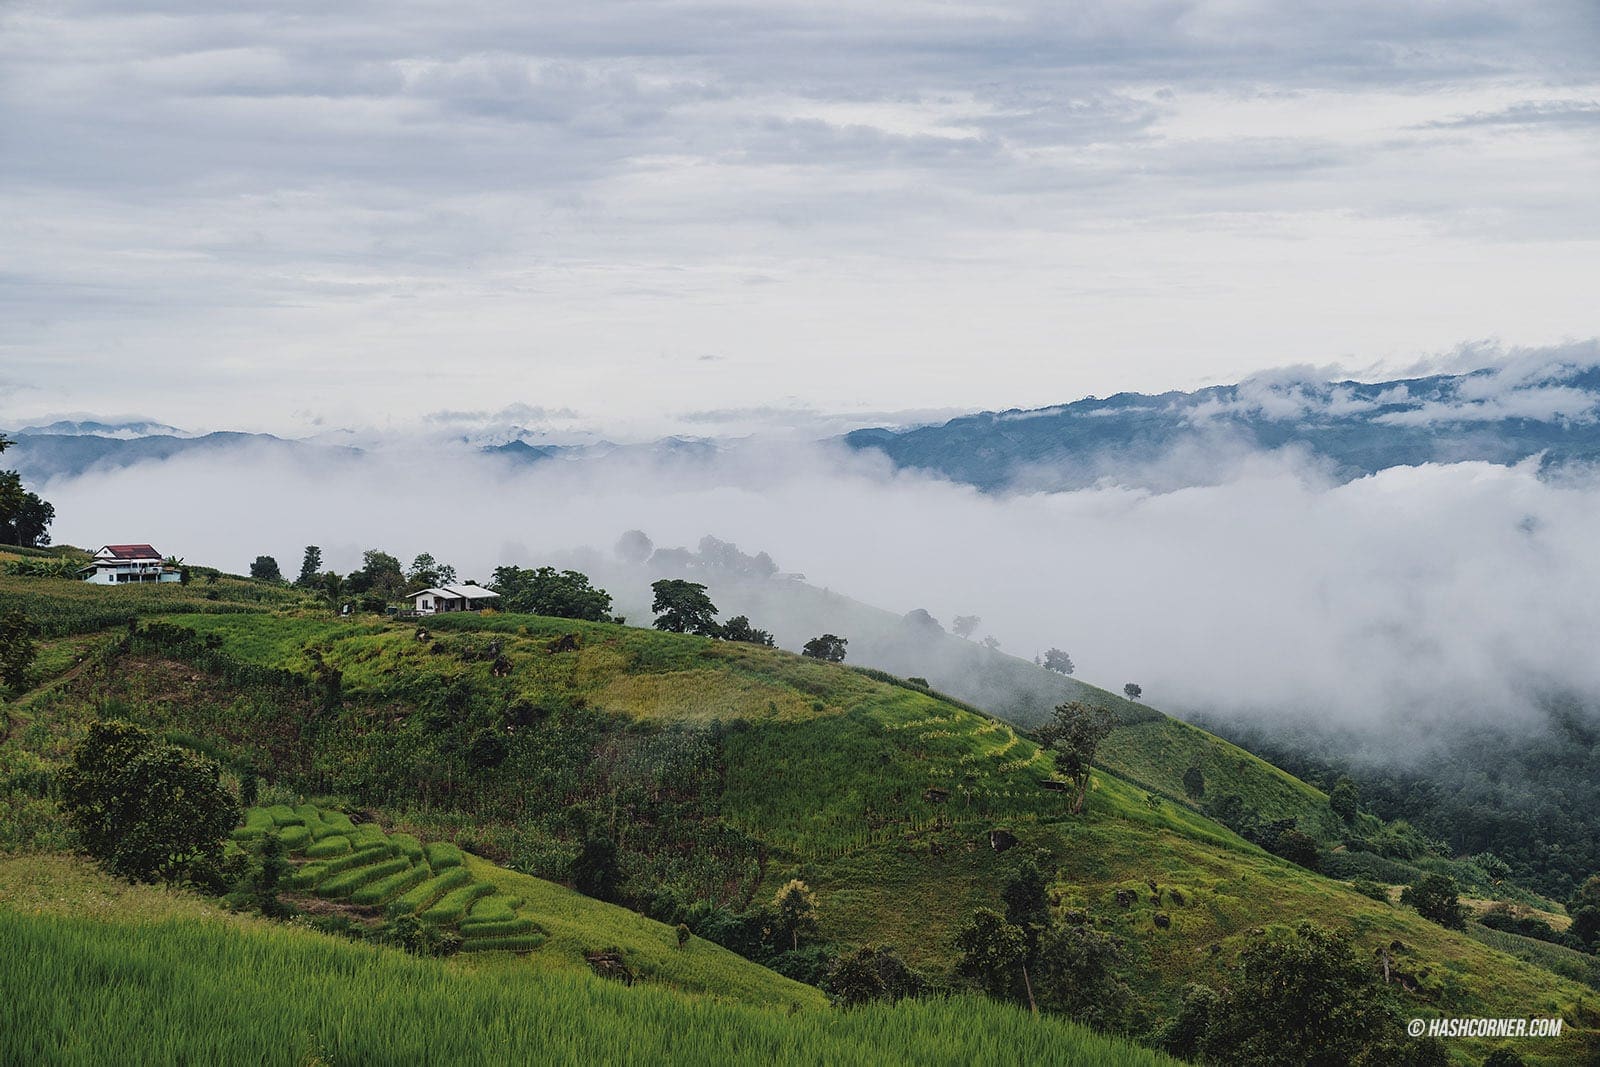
(1368, 888)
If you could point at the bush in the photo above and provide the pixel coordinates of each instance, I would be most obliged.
(1368, 888)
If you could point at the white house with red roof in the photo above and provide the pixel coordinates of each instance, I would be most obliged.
(120, 564)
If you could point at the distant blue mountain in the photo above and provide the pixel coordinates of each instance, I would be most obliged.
(41, 457)
(1352, 428)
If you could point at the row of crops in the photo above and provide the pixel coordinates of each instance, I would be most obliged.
(340, 861)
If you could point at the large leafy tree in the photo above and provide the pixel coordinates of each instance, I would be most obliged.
(146, 809)
(1074, 733)
(381, 577)
(547, 591)
(829, 648)
(266, 569)
(1584, 907)
(993, 954)
(25, 518)
(795, 905)
(738, 628)
(1303, 997)
(682, 607)
(1435, 897)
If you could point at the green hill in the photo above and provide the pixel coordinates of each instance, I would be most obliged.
(98, 972)
(722, 770)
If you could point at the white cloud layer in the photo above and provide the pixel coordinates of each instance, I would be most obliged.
(1419, 596)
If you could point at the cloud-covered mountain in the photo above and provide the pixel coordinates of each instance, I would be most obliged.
(45, 457)
(1500, 415)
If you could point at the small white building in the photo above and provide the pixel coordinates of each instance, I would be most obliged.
(120, 564)
(453, 598)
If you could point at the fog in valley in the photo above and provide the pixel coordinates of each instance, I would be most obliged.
(1417, 597)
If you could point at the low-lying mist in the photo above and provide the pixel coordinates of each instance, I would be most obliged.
(1413, 598)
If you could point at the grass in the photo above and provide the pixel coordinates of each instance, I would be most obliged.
(79, 991)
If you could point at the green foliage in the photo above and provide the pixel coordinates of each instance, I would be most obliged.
(310, 568)
(1074, 733)
(1435, 898)
(682, 607)
(795, 906)
(1370, 889)
(347, 882)
(452, 907)
(595, 871)
(1584, 907)
(1345, 799)
(189, 991)
(17, 650)
(1194, 783)
(830, 648)
(1298, 998)
(871, 975)
(1076, 973)
(992, 953)
(420, 897)
(24, 516)
(269, 875)
(146, 809)
(552, 593)
(442, 854)
(265, 569)
(738, 628)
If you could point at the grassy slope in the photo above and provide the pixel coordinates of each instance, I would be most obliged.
(103, 973)
(832, 777)
(835, 785)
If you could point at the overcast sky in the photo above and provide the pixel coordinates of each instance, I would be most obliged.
(289, 216)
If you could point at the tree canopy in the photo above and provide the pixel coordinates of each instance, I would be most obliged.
(265, 568)
(147, 809)
(25, 518)
(547, 591)
(682, 607)
(1074, 733)
(829, 648)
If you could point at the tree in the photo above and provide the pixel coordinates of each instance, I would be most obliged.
(1074, 733)
(17, 650)
(1057, 660)
(964, 625)
(310, 568)
(249, 787)
(1076, 972)
(1303, 997)
(424, 572)
(596, 872)
(146, 809)
(870, 974)
(1584, 907)
(795, 906)
(829, 648)
(1133, 690)
(1434, 896)
(992, 953)
(380, 576)
(547, 591)
(738, 628)
(1345, 799)
(1297, 846)
(991, 642)
(683, 607)
(634, 547)
(1194, 782)
(265, 569)
(24, 517)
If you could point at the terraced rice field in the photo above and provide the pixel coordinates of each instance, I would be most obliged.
(337, 860)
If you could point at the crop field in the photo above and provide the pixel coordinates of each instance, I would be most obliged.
(61, 607)
(361, 865)
(183, 990)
